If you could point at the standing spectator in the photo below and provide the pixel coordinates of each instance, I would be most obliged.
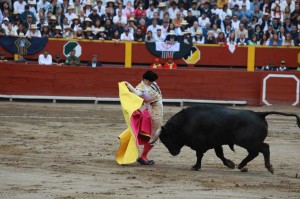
(26, 13)
(45, 58)
(170, 64)
(94, 63)
(127, 36)
(72, 60)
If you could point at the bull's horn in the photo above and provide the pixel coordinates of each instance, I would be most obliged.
(155, 137)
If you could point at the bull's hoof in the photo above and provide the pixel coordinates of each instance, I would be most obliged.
(244, 169)
(270, 169)
(230, 164)
(196, 168)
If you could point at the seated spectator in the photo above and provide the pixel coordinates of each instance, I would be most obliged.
(26, 13)
(149, 37)
(171, 37)
(127, 36)
(45, 31)
(264, 40)
(79, 34)
(274, 41)
(288, 41)
(10, 31)
(138, 35)
(101, 34)
(94, 63)
(242, 41)
(2, 58)
(89, 34)
(72, 60)
(187, 39)
(45, 58)
(198, 38)
(33, 32)
(116, 37)
(156, 64)
(210, 39)
(57, 33)
(296, 41)
(221, 40)
(68, 32)
(282, 66)
(159, 37)
(254, 41)
(170, 64)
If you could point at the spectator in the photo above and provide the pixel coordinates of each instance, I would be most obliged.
(159, 37)
(269, 67)
(171, 37)
(190, 19)
(254, 41)
(242, 41)
(203, 20)
(79, 33)
(57, 33)
(297, 40)
(139, 10)
(70, 14)
(282, 66)
(150, 11)
(149, 37)
(173, 10)
(195, 12)
(89, 34)
(68, 32)
(241, 30)
(210, 39)
(57, 60)
(10, 31)
(129, 9)
(127, 36)
(198, 38)
(264, 40)
(45, 32)
(94, 16)
(33, 32)
(156, 64)
(43, 4)
(162, 9)
(221, 40)
(139, 36)
(94, 63)
(120, 18)
(116, 37)
(72, 60)
(153, 28)
(178, 19)
(187, 39)
(288, 41)
(2, 58)
(75, 23)
(170, 64)
(45, 58)
(275, 41)
(19, 6)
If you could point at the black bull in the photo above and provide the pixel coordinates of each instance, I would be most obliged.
(204, 127)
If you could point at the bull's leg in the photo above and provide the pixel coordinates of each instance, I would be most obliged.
(251, 156)
(220, 154)
(197, 166)
(266, 152)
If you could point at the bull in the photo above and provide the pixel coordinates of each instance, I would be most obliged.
(204, 127)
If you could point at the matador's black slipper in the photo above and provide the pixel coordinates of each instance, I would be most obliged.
(145, 162)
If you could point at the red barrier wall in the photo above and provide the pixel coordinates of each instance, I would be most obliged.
(211, 55)
(188, 83)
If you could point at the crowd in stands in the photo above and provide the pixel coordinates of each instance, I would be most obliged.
(240, 22)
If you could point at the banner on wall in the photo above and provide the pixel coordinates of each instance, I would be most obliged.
(23, 45)
(163, 49)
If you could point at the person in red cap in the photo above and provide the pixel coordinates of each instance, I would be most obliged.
(170, 64)
(156, 64)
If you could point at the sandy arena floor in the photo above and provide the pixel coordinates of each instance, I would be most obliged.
(68, 151)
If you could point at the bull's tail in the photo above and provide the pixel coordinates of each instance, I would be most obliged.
(265, 114)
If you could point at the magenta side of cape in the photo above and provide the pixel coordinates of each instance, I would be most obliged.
(140, 122)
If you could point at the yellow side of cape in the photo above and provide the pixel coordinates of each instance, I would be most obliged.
(128, 152)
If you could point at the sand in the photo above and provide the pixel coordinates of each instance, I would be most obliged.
(68, 150)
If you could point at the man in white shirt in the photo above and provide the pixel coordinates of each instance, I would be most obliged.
(19, 6)
(43, 4)
(203, 20)
(127, 36)
(70, 14)
(173, 10)
(194, 10)
(150, 11)
(119, 18)
(45, 58)
(159, 37)
(153, 28)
